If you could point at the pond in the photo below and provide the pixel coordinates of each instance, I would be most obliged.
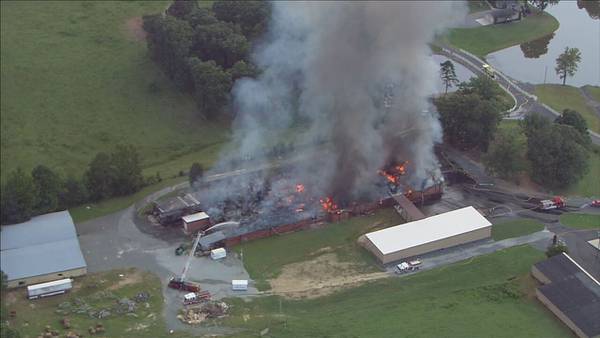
(534, 61)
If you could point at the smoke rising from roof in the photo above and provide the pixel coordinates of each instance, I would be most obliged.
(358, 75)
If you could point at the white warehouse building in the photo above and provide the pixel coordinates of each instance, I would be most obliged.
(426, 235)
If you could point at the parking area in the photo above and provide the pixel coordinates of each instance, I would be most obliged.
(115, 241)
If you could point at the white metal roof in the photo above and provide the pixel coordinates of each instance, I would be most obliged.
(195, 217)
(428, 230)
(45, 244)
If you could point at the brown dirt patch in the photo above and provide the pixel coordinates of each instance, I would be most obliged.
(10, 297)
(319, 277)
(128, 278)
(135, 29)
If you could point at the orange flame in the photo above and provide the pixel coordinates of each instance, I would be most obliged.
(328, 204)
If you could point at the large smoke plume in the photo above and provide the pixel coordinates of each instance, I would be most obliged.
(357, 75)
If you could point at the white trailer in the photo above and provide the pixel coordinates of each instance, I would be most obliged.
(56, 287)
(218, 253)
(239, 284)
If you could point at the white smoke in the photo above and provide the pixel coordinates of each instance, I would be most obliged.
(331, 64)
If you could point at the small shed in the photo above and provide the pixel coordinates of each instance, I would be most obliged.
(195, 222)
(218, 253)
(239, 284)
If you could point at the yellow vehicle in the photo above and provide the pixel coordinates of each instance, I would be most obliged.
(487, 69)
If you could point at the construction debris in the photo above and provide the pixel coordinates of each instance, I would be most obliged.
(142, 297)
(208, 310)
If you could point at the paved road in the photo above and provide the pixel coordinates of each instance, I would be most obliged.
(525, 101)
(467, 251)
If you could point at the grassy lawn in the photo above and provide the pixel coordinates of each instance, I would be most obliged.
(486, 39)
(580, 221)
(264, 258)
(589, 184)
(515, 228)
(488, 296)
(594, 92)
(477, 6)
(562, 97)
(99, 291)
(76, 81)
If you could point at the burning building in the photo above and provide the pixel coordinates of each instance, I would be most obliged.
(356, 77)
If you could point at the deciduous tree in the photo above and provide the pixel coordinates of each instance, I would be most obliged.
(567, 62)
(182, 8)
(47, 186)
(73, 193)
(17, 198)
(212, 85)
(468, 121)
(506, 154)
(558, 157)
(574, 119)
(251, 16)
(127, 171)
(99, 177)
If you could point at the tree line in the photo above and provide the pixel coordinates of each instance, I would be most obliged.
(43, 190)
(555, 154)
(204, 50)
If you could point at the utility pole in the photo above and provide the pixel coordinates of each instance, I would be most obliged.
(545, 73)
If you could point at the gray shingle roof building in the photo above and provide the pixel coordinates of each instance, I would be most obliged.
(42, 249)
(571, 293)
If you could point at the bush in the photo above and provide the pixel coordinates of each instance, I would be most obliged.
(555, 249)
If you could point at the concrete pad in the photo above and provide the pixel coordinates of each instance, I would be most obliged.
(484, 21)
(595, 243)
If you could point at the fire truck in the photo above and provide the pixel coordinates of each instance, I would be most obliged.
(179, 282)
(556, 202)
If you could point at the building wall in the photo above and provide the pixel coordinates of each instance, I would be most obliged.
(433, 246)
(559, 314)
(537, 274)
(46, 278)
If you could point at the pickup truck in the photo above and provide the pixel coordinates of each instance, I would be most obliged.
(410, 266)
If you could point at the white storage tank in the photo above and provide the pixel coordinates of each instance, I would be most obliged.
(49, 289)
(218, 253)
(239, 284)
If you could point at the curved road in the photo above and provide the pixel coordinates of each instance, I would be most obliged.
(525, 101)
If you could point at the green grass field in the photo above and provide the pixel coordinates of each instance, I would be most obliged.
(76, 81)
(487, 39)
(580, 220)
(264, 259)
(99, 291)
(588, 185)
(515, 228)
(488, 296)
(594, 92)
(562, 97)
